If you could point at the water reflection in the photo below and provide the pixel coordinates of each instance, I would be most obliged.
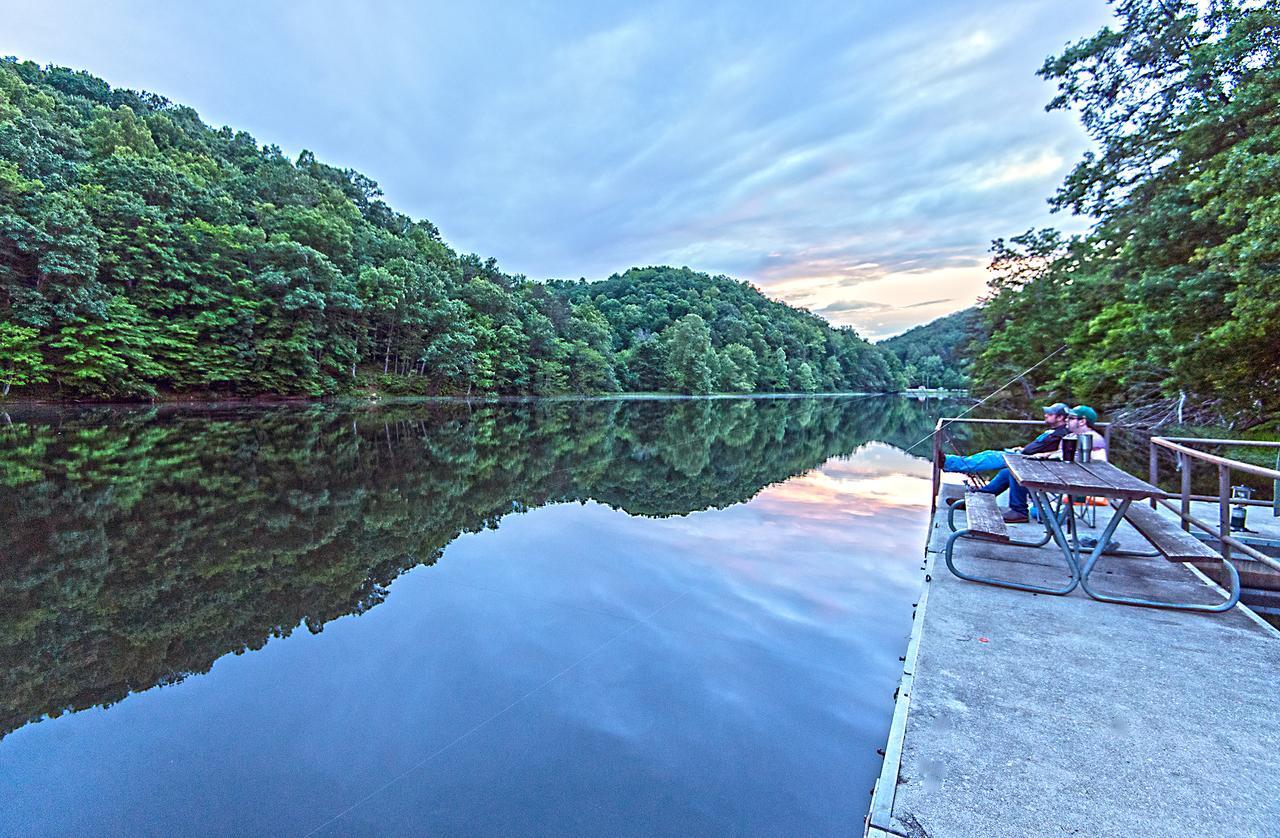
(143, 546)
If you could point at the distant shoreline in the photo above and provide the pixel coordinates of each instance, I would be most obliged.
(212, 401)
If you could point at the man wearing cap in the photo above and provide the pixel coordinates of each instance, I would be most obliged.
(1081, 419)
(1046, 444)
(1055, 417)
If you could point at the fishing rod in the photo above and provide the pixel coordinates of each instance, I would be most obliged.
(988, 397)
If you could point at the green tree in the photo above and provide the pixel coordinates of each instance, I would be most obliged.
(689, 355)
(590, 371)
(108, 356)
(645, 363)
(738, 369)
(1172, 291)
(805, 381)
(21, 361)
(930, 370)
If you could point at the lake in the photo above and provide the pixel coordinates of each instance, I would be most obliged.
(568, 617)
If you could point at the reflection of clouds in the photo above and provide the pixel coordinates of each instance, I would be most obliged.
(863, 496)
(576, 643)
(804, 558)
(864, 511)
(876, 476)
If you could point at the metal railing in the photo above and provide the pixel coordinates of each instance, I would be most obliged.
(1185, 456)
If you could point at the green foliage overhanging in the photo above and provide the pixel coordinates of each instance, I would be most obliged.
(143, 252)
(1175, 291)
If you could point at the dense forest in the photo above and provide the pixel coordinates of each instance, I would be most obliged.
(938, 353)
(141, 549)
(1171, 301)
(143, 252)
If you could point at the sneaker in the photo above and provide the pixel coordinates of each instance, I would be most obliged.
(1012, 517)
(1088, 542)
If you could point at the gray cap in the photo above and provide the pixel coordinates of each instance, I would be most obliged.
(1057, 408)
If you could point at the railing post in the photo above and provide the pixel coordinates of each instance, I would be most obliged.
(1154, 470)
(1224, 509)
(1185, 463)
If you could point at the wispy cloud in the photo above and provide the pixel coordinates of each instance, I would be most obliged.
(929, 303)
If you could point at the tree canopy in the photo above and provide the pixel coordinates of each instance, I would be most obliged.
(144, 252)
(1175, 290)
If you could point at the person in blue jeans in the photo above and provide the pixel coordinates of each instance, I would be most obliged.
(1055, 417)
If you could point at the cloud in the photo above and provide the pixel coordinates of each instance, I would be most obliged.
(847, 306)
(810, 150)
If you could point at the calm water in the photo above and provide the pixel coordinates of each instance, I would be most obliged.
(555, 617)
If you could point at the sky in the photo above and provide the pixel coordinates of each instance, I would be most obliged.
(856, 159)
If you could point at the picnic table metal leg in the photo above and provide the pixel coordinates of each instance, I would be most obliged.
(1052, 524)
(1233, 594)
(1069, 549)
(1105, 539)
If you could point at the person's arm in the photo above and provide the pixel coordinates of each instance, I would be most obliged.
(1046, 443)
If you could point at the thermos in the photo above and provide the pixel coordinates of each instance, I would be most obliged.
(1084, 452)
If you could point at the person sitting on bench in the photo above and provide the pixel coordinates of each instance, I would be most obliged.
(1055, 417)
(1045, 445)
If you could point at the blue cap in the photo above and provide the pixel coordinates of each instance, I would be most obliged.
(1057, 409)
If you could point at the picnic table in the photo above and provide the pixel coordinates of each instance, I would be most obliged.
(1046, 480)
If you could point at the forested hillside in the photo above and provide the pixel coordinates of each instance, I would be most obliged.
(680, 330)
(939, 353)
(143, 252)
(1176, 288)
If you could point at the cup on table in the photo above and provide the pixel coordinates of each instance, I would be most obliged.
(1069, 445)
(1084, 453)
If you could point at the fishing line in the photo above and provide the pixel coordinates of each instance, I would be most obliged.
(989, 395)
(640, 622)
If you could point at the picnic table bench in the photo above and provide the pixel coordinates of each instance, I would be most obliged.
(1045, 479)
(985, 520)
(1172, 541)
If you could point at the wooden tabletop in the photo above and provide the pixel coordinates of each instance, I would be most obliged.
(1097, 479)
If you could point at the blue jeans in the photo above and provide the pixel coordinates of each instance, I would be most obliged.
(1017, 494)
(982, 461)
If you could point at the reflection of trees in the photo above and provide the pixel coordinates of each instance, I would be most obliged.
(141, 546)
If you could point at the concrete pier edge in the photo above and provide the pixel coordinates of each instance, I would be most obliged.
(879, 820)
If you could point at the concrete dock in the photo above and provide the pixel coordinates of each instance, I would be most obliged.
(1024, 714)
